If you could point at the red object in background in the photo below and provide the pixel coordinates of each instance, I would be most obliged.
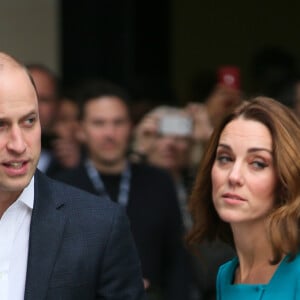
(229, 76)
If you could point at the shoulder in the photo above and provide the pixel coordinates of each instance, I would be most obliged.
(150, 172)
(290, 266)
(71, 197)
(227, 270)
(65, 174)
(155, 182)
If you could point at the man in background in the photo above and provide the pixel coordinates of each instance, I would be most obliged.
(57, 152)
(147, 193)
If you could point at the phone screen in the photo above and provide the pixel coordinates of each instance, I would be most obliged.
(229, 76)
(175, 125)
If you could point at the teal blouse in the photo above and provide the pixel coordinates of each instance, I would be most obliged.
(284, 285)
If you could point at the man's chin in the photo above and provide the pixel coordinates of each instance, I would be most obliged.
(16, 184)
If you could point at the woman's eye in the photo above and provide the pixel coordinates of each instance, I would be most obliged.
(259, 164)
(223, 159)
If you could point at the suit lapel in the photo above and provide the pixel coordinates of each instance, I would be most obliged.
(46, 231)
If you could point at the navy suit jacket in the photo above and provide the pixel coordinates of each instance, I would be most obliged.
(79, 247)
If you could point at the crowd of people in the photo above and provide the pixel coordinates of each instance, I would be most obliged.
(210, 181)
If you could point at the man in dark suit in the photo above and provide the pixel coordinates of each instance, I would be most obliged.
(56, 242)
(148, 193)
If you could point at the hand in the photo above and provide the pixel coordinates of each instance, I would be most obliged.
(202, 124)
(222, 100)
(146, 283)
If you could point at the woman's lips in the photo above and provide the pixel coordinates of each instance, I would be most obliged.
(233, 198)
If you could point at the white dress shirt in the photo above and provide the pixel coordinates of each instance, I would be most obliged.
(14, 240)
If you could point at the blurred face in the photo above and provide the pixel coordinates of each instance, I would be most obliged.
(19, 131)
(243, 174)
(46, 96)
(66, 124)
(106, 129)
(170, 152)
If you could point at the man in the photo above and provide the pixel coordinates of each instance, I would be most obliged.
(56, 242)
(57, 152)
(47, 86)
(147, 193)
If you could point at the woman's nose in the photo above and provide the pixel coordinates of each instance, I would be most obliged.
(236, 174)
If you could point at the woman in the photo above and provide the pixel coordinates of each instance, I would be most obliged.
(251, 200)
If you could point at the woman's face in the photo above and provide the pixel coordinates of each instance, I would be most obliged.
(243, 174)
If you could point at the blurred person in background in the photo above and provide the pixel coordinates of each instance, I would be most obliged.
(63, 154)
(148, 92)
(222, 94)
(147, 193)
(67, 146)
(273, 71)
(164, 138)
(48, 90)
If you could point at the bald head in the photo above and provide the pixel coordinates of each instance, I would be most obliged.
(15, 80)
(20, 132)
(8, 62)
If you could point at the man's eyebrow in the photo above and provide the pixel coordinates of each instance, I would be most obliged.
(29, 114)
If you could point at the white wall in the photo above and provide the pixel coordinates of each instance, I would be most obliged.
(29, 30)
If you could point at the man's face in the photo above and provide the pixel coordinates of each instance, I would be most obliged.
(19, 131)
(47, 98)
(106, 129)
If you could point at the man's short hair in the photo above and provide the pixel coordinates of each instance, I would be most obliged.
(98, 88)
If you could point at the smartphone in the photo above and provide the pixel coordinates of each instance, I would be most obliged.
(229, 76)
(175, 125)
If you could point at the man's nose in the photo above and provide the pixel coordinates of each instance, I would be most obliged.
(110, 129)
(16, 140)
(170, 140)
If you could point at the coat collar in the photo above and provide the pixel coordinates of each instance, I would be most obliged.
(46, 232)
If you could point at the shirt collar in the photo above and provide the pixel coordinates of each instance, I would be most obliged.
(27, 195)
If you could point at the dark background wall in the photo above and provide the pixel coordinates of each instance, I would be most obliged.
(206, 34)
(169, 42)
(115, 39)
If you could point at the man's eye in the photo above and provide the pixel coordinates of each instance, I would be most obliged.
(3, 125)
(97, 123)
(30, 121)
